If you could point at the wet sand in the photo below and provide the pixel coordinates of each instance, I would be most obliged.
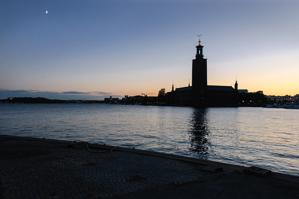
(43, 168)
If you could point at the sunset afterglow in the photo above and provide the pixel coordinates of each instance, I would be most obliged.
(87, 47)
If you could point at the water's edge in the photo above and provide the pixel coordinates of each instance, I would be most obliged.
(262, 137)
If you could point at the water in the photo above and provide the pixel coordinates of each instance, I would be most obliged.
(268, 138)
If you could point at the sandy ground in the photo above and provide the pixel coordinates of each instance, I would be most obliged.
(40, 168)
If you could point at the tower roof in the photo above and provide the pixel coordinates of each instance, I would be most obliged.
(199, 50)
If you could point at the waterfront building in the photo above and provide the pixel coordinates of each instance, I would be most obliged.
(200, 93)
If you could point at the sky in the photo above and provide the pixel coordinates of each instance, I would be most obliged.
(129, 47)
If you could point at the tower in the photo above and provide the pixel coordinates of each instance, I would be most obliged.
(236, 86)
(172, 88)
(199, 76)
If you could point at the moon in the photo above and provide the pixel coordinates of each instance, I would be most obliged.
(46, 12)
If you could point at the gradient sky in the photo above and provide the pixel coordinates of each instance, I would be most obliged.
(139, 46)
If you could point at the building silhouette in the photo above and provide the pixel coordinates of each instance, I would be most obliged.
(200, 93)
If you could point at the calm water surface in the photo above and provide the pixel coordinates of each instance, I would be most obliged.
(268, 138)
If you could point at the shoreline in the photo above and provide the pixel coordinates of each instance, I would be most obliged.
(100, 169)
(41, 100)
(92, 102)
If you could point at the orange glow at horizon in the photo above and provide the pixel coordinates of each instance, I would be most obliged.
(274, 74)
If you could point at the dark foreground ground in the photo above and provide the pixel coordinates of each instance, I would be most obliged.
(40, 168)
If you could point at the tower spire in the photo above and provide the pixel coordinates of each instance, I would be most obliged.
(199, 49)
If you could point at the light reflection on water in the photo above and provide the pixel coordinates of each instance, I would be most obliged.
(199, 133)
(248, 136)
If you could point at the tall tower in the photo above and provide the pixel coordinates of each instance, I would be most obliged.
(199, 76)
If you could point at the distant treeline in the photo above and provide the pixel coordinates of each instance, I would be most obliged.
(41, 100)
